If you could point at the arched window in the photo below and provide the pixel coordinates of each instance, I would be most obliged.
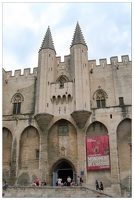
(100, 96)
(100, 100)
(62, 79)
(16, 100)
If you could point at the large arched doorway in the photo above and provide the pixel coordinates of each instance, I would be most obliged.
(62, 169)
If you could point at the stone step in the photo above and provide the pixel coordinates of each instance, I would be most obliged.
(53, 192)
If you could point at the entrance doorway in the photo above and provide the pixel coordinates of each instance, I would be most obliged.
(62, 170)
(64, 173)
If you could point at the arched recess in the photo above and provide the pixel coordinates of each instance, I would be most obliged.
(61, 80)
(62, 168)
(97, 129)
(6, 151)
(62, 142)
(124, 142)
(29, 149)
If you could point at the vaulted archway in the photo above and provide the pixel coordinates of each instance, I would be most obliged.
(62, 149)
(62, 169)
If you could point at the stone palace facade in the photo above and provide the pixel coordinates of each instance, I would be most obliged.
(48, 114)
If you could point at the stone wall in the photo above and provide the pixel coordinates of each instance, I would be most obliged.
(53, 192)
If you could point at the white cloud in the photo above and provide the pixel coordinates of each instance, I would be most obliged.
(25, 24)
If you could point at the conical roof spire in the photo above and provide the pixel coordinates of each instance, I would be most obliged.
(78, 36)
(47, 42)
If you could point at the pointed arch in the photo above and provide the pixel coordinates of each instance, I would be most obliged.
(60, 163)
(17, 97)
(62, 141)
(61, 80)
(97, 129)
(29, 148)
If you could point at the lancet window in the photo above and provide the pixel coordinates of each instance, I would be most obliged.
(100, 97)
(17, 100)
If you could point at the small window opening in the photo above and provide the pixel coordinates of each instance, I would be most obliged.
(121, 101)
(63, 128)
(37, 153)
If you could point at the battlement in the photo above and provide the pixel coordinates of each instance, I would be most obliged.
(66, 57)
(17, 73)
(92, 63)
(113, 61)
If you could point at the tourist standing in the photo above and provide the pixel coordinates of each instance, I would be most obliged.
(97, 185)
(78, 181)
(68, 181)
(59, 181)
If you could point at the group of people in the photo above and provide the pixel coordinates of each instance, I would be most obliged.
(99, 186)
(69, 182)
(38, 183)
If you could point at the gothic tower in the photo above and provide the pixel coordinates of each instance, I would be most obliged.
(80, 75)
(46, 71)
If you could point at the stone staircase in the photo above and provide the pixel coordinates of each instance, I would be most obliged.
(53, 192)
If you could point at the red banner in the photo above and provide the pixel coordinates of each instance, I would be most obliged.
(97, 153)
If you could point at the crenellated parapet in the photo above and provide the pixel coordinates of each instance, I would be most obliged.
(113, 62)
(63, 64)
(7, 75)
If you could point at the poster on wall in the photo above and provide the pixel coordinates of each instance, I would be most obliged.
(97, 149)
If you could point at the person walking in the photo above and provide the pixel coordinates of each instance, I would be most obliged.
(97, 185)
(101, 186)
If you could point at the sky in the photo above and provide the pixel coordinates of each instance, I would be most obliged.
(106, 27)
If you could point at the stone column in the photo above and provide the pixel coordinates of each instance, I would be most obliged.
(115, 175)
(43, 163)
(81, 163)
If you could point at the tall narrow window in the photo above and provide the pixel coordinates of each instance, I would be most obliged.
(121, 101)
(16, 100)
(37, 153)
(17, 105)
(100, 99)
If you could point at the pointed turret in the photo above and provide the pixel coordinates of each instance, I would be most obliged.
(47, 41)
(78, 36)
(80, 73)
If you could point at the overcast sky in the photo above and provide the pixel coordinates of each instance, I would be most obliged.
(106, 28)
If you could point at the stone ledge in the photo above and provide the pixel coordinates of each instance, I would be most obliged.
(52, 192)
